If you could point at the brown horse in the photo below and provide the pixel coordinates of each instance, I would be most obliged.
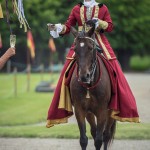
(90, 90)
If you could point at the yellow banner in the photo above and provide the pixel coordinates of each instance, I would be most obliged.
(1, 12)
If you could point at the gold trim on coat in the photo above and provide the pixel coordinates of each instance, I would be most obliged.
(96, 11)
(82, 14)
(115, 113)
(51, 123)
(64, 102)
(71, 57)
(103, 46)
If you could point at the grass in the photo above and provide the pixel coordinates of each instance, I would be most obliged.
(138, 63)
(20, 115)
(71, 131)
(27, 107)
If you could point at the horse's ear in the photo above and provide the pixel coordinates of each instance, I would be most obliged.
(74, 31)
(91, 23)
(91, 31)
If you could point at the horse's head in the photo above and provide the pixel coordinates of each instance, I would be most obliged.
(84, 47)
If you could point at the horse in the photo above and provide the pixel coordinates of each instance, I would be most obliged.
(90, 90)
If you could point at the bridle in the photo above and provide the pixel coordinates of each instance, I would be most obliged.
(93, 66)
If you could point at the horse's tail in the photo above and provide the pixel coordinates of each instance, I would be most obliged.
(112, 132)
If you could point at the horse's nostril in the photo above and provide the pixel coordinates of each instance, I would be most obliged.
(88, 75)
(83, 79)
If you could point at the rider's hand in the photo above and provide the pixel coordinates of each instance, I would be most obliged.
(93, 22)
(55, 30)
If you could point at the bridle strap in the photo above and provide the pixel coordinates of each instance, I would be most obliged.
(86, 37)
(89, 38)
(96, 83)
(93, 70)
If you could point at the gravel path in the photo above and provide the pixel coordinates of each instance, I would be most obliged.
(64, 144)
(140, 85)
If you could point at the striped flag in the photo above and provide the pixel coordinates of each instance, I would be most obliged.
(30, 44)
(1, 41)
(51, 45)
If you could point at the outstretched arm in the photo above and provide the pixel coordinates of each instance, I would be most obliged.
(61, 29)
(10, 52)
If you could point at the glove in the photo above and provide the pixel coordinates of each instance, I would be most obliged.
(93, 22)
(100, 24)
(58, 29)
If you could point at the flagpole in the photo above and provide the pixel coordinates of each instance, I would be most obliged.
(30, 54)
(28, 70)
(52, 47)
(15, 81)
(51, 61)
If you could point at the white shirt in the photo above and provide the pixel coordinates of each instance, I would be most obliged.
(91, 3)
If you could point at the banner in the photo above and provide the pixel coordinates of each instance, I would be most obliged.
(30, 44)
(1, 11)
(51, 45)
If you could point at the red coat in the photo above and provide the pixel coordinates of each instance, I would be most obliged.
(123, 104)
(78, 16)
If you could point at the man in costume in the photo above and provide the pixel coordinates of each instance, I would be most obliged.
(122, 103)
(10, 52)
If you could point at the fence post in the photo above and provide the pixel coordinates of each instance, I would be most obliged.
(15, 81)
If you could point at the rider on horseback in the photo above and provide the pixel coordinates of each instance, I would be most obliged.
(122, 103)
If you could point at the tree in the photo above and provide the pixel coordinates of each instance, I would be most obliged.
(130, 36)
(131, 33)
(38, 14)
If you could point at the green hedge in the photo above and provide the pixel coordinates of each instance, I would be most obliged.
(139, 63)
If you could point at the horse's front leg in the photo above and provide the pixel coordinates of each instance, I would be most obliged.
(80, 116)
(101, 120)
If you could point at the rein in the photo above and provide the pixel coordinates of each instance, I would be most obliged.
(93, 69)
(96, 83)
(99, 78)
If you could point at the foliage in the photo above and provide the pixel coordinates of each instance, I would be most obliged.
(139, 63)
(132, 22)
(131, 33)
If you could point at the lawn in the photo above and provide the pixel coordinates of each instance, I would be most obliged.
(123, 131)
(24, 114)
(27, 107)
